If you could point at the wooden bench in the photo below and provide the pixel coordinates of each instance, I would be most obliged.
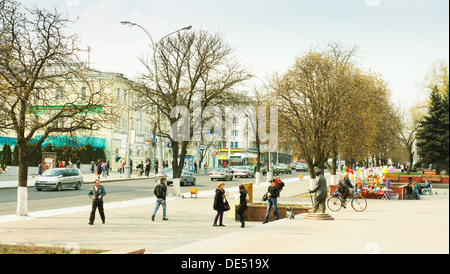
(392, 177)
(431, 178)
(429, 172)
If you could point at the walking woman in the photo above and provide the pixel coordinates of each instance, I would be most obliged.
(219, 204)
(242, 204)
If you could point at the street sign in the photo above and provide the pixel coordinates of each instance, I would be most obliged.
(49, 110)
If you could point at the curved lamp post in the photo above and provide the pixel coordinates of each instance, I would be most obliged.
(161, 172)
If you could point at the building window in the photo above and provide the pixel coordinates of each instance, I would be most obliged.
(59, 94)
(83, 94)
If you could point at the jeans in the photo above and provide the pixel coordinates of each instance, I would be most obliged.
(272, 203)
(158, 204)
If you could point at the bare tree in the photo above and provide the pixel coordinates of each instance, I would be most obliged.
(45, 89)
(196, 71)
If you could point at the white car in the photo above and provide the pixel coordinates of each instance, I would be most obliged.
(221, 174)
(244, 171)
(59, 178)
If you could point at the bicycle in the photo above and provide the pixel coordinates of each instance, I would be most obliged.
(358, 202)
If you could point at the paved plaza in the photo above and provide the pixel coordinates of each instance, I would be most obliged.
(386, 227)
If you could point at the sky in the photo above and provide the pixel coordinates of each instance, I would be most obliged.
(398, 39)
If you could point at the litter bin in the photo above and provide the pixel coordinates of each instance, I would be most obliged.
(249, 189)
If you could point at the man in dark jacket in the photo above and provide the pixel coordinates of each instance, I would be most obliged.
(96, 193)
(344, 186)
(273, 192)
(320, 190)
(160, 193)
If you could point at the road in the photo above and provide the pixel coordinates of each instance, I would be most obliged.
(116, 192)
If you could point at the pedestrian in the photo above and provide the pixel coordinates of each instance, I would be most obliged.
(219, 203)
(120, 168)
(206, 167)
(40, 169)
(108, 167)
(96, 193)
(242, 204)
(99, 169)
(103, 170)
(92, 166)
(147, 168)
(160, 193)
(195, 167)
(272, 192)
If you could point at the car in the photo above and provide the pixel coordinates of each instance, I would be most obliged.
(187, 177)
(221, 174)
(274, 169)
(302, 167)
(59, 179)
(244, 171)
(284, 168)
(294, 165)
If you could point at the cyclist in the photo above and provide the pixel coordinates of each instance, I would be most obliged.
(344, 187)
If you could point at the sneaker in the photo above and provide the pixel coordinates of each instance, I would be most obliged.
(153, 218)
(165, 219)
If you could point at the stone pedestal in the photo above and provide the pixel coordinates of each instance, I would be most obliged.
(318, 216)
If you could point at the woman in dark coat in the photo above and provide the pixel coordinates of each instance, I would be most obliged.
(242, 204)
(219, 203)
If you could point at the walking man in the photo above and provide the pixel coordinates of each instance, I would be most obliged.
(273, 192)
(97, 193)
(160, 193)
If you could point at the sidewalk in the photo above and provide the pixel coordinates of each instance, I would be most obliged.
(397, 226)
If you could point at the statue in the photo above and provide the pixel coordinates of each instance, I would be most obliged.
(321, 198)
(321, 192)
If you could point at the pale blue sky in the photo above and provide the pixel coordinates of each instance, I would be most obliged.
(399, 39)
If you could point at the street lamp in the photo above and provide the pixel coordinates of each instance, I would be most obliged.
(161, 172)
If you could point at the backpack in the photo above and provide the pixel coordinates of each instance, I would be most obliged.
(280, 185)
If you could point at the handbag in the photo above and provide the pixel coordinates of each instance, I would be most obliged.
(265, 198)
(226, 205)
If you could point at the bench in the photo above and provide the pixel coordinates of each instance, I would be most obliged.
(392, 177)
(429, 172)
(194, 191)
(432, 178)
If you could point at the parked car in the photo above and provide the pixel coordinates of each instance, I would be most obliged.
(284, 168)
(274, 169)
(294, 165)
(221, 174)
(186, 178)
(59, 179)
(244, 171)
(302, 167)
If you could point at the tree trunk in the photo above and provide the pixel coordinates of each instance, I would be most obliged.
(22, 189)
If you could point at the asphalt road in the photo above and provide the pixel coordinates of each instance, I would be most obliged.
(116, 192)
